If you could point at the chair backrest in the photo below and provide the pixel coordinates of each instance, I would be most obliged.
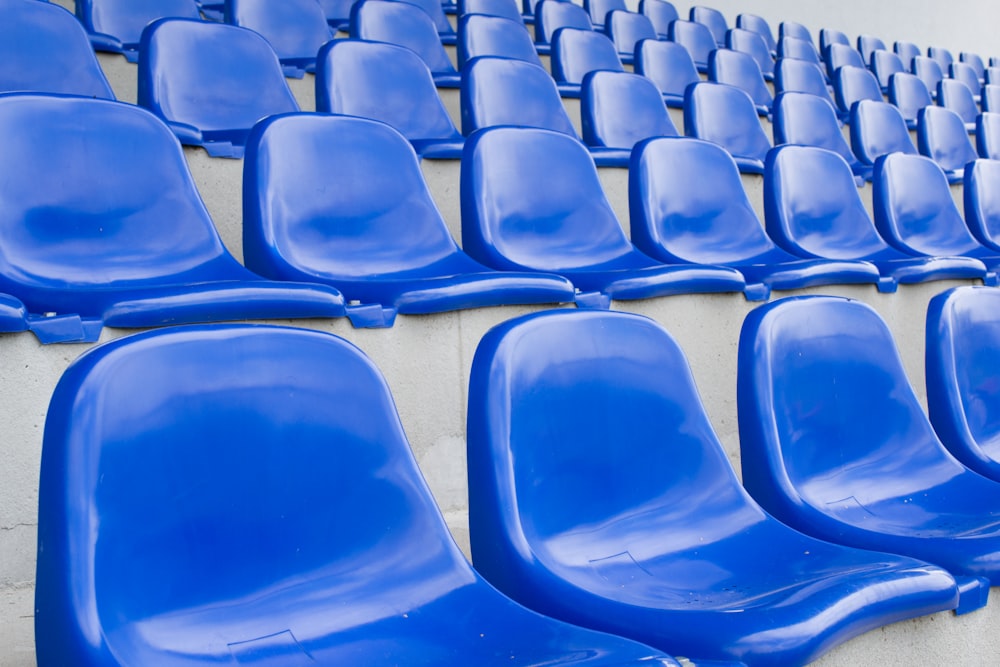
(598, 10)
(909, 94)
(668, 65)
(941, 136)
(403, 24)
(550, 15)
(799, 49)
(801, 76)
(974, 61)
(725, 115)
(687, 204)
(956, 96)
(812, 207)
(502, 91)
(712, 19)
(509, 9)
(759, 25)
(660, 13)
(929, 71)
(991, 98)
(749, 42)
(620, 109)
(626, 29)
(116, 25)
(435, 9)
(988, 135)
(839, 55)
(906, 51)
(808, 120)
(796, 30)
(576, 52)
(383, 82)
(867, 44)
(981, 194)
(740, 70)
(295, 29)
(43, 48)
(942, 56)
(966, 74)
(828, 36)
(337, 12)
(851, 84)
(992, 75)
(694, 37)
(878, 128)
(484, 35)
(884, 64)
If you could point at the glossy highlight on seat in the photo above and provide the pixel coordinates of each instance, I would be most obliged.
(295, 29)
(115, 26)
(727, 116)
(801, 118)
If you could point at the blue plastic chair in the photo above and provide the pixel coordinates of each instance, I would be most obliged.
(943, 137)
(694, 37)
(867, 45)
(851, 84)
(801, 76)
(741, 71)
(943, 57)
(808, 120)
(550, 15)
(338, 13)
(435, 10)
(210, 82)
(988, 135)
(124, 240)
(43, 48)
(883, 65)
(597, 10)
(376, 236)
(878, 128)
(672, 549)
(577, 52)
(751, 43)
(906, 51)
(909, 94)
(965, 73)
(406, 25)
(962, 351)
(915, 213)
(991, 98)
(669, 66)
(516, 216)
(812, 209)
(295, 29)
(759, 25)
(796, 30)
(834, 443)
(508, 9)
(483, 35)
(828, 36)
(213, 515)
(391, 84)
(981, 193)
(687, 204)
(974, 61)
(726, 115)
(660, 13)
(838, 55)
(626, 29)
(712, 19)
(929, 71)
(800, 49)
(956, 96)
(116, 25)
(992, 75)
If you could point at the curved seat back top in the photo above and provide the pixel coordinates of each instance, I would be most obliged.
(670, 505)
(883, 65)
(483, 35)
(956, 96)
(943, 56)
(375, 234)
(812, 209)
(212, 106)
(965, 73)
(406, 25)
(828, 36)
(981, 193)
(751, 43)
(295, 29)
(389, 83)
(975, 61)
(991, 98)
(626, 29)
(125, 239)
(508, 9)
(929, 71)
(435, 10)
(851, 84)
(906, 51)
(878, 128)
(116, 25)
(687, 204)
(516, 216)
(599, 9)
(962, 351)
(838, 55)
(909, 94)
(759, 25)
(43, 48)
(577, 52)
(550, 15)
(992, 74)
(726, 115)
(799, 49)
(182, 520)
(337, 12)
(740, 70)
(669, 66)
(988, 134)
(794, 75)
(660, 13)
(943, 137)
(808, 120)
(796, 30)
(867, 45)
(834, 442)
(712, 19)
(696, 38)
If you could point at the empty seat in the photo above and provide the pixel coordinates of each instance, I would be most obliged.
(838, 55)
(967, 75)
(435, 9)
(868, 44)
(550, 15)
(295, 29)
(799, 49)
(694, 37)
(991, 98)
(626, 29)
(341, 201)
(712, 19)
(670, 505)
(942, 56)
(812, 209)
(44, 48)
(516, 216)
(962, 354)
(116, 25)
(508, 9)
(956, 96)
(988, 135)
(915, 213)
(992, 75)
(929, 71)
(974, 61)
(740, 70)
(688, 205)
(800, 76)
(759, 25)
(337, 13)
(726, 115)
(484, 35)
(909, 94)
(669, 66)
(851, 84)
(389, 83)
(406, 25)
(834, 442)
(212, 505)
(124, 240)
(599, 9)
(942, 136)
(576, 52)
(828, 36)
(906, 51)
(660, 13)
(878, 128)
(796, 30)
(883, 65)
(982, 201)
(210, 106)
(808, 120)
(753, 44)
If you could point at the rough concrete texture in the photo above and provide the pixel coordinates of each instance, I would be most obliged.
(122, 75)
(304, 90)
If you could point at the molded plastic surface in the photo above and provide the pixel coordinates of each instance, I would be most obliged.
(883, 65)
(694, 37)
(599, 9)
(909, 94)
(483, 35)
(796, 30)
(391, 84)
(851, 84)
(660, 13)
(342, 201)
(687, 204)
(671, 549)
(801, 76)
(943, 57)
(508, 9)
(828, 37)
(550, 15)
(800, 49)
(929, 71)
(435, 9)
(988, 132)
(620, 109)
(338, 13)
(906, 51)
(669, 66)
(867, 45)
(740, 70)
(991, 98)
(834, 442)
(517, 216)
(712, 19)
(295, 29)
(212, 516)
(116, 25)
(801, 118)
(967, 75)
(44, 48)
(838, 55)
(981, 193)
(751, 43)
(943, 137)
(878, 128)
(812, 209)
(626, 29)
(974, 61)
(576, 52)
(726, 115)
(210, 82)
(759, 25)
(956, 96)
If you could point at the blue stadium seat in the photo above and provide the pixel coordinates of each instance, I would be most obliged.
(798, 49)
(751, 43)
(878, 128)
(712, 19)
(967, 74)
(626, 29)
(391, 84)
(828, 36)
(44, 48)
(484, 35)
(992, 75)
(694, 37)
(576, 52)
(812, 209)
(669, 66)
(406, 25)
(687, 204)
(116, 25)
(125, 240)
(838, 55)
(909, 94)
(852, 84)
(915, 213)
(883, 65)
(800, 76)
(962, 350)
(508, 9)
(834, 443)
(929, 71)
(795, 30)
(759, 25)
(726, 115)
(906, 51)
(982, 201)
(672, 550)
(991, 98)
(956, 96)
(597, 10)
(988, 135)
(337, 13)
(974, 61)
(868, 44)
(376, 236)
(808, 120)
(515, 216)
(210, 82)
(942, 136)
(212, 515)
(943, 56)
(435, 9)
(550, 15)
(295, 29)
(660, 13)
(740, 70)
